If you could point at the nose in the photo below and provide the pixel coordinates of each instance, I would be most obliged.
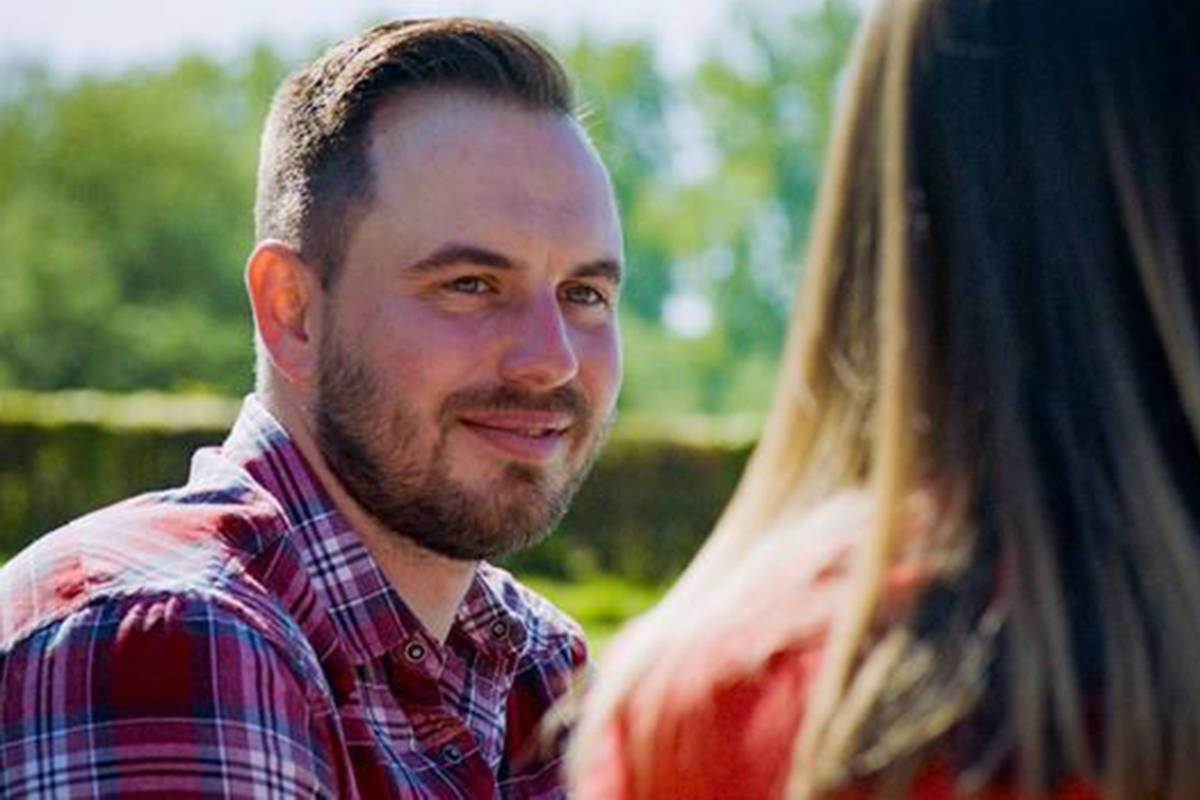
(539, 354)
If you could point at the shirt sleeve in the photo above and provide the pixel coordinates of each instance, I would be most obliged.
(535, 736)
(155, 696)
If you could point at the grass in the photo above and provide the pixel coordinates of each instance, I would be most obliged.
(601, 603)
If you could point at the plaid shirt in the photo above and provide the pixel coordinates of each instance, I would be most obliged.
(234, 638)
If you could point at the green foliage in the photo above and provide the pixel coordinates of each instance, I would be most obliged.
(623, 102)
(125, 210)
(648, 505)
(736, 233)
(125, 213)
(768, 114)
(600, 603)
(49, 475)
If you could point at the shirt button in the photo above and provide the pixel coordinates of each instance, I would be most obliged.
(414, 651)
(451, 752)
(499, 629)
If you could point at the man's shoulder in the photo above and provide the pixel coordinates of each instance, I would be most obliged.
(550, 632)
(177, 687)
(178, 541)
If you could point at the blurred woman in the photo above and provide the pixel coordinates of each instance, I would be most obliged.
(965, 557)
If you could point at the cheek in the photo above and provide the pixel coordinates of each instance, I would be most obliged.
(600, 367)
(422, 360)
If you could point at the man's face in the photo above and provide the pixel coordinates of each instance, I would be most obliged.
(469, 353)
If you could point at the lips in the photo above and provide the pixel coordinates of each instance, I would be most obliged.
(531, 436)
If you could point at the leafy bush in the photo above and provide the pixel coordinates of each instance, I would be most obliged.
(645, 510)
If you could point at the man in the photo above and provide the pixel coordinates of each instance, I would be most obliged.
(434, 292)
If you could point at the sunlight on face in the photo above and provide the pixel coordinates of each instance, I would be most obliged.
(471, 363)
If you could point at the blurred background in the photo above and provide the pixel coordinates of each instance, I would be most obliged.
(128, 140)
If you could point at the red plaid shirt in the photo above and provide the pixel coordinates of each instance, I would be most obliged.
(234, 638)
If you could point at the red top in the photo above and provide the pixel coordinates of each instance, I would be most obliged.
(723, 712)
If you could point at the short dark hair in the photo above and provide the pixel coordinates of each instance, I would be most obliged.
(314, 174)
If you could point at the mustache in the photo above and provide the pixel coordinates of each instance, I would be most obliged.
(562, 399)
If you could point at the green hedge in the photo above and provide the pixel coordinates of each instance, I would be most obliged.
(652, 498)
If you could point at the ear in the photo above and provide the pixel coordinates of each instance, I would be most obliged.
(286, 295)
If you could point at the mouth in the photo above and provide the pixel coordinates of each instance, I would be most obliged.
(530, 436)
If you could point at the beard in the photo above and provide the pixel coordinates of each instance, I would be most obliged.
(375, 450)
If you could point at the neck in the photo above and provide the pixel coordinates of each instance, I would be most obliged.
(433, 586)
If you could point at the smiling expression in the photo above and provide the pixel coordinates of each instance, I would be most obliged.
(469, 352)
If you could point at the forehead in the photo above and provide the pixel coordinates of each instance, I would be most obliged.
(454, 164)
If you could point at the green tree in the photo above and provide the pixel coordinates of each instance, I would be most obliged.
(765, 97)
(763, 101)
(769, 114)
(124, 220)
(624, 101)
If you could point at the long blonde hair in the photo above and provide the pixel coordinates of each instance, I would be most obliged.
(1000, 304)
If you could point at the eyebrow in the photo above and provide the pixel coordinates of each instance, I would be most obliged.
(449, 254)
(607, 268)
(462, 254)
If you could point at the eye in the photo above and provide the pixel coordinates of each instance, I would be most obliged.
(469, 284)
(584, 295)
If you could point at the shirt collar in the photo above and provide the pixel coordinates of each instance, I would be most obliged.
(370, 616)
